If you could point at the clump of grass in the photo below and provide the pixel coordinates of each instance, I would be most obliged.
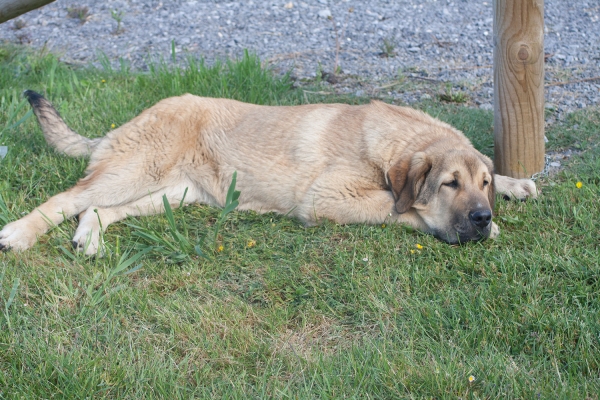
(452, 96)
(175, 244)
(23, 38)
(19, 24)
(388, 48)
(81, 13)
(118, 17)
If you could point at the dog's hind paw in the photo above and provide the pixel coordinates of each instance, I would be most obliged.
(17, 236)
(87, 236)
(87, 242)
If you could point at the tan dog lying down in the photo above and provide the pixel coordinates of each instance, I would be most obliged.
(370, 164)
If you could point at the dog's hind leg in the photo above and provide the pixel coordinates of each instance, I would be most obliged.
(101, 190)
(22, 234)
(96, 219)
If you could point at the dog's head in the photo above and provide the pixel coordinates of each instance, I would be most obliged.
(450, 189)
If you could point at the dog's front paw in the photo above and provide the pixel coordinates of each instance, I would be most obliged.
(524, 188)
(512, 188)
(17, 236)
(494, 231)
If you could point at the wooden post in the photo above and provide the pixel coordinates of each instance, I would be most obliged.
(519, 87)
(10, 9)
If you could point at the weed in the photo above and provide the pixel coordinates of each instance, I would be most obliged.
(80, 13)
(18, 24)
(23, 38)
(451, 96)
(231, 203)
(388, 48)
(118, 16)
(175, 244)
(401, 76)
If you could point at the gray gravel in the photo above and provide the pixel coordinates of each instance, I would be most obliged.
(430, 43)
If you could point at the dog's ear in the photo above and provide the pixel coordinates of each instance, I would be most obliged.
(492, 194)
(492, 185)
(406, 178)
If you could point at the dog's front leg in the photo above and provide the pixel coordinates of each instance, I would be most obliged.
(359, 206)
(519, 189)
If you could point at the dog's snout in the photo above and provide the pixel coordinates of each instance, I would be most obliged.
(481, 218)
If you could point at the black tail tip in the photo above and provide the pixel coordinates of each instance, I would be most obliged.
(33, 97)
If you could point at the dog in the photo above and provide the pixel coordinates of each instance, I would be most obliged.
(375, 163)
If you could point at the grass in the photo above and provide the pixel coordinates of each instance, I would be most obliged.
(388, 48)
(277, 310)
(451, 96)
(80, 13)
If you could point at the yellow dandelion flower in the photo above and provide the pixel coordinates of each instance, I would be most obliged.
(471, 378)
(578, 185)
(383, 225)
(251, 243)
(112, 126)
(103, 80)
(419, 246)
(220, 248)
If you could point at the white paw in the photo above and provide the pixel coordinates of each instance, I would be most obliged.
(87, 235)
(17, 236)
(524, 188)
(86, 242)
(494, 231)
(519, 189)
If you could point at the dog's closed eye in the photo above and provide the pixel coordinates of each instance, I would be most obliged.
(453, 184)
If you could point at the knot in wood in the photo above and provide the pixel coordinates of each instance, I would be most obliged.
(523, 53)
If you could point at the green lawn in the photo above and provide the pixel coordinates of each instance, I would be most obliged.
(278, 310)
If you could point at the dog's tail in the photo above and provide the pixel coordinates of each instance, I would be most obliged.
(56, 131)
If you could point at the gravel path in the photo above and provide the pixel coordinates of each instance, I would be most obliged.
(430, 42)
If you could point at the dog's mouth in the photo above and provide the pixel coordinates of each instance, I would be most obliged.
(463, 233)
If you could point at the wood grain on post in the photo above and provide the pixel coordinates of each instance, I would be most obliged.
(519, 87)
(10, 9)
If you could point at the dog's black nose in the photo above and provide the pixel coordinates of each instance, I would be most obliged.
(481, 218)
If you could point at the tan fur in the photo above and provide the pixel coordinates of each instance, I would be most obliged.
(371, 164)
